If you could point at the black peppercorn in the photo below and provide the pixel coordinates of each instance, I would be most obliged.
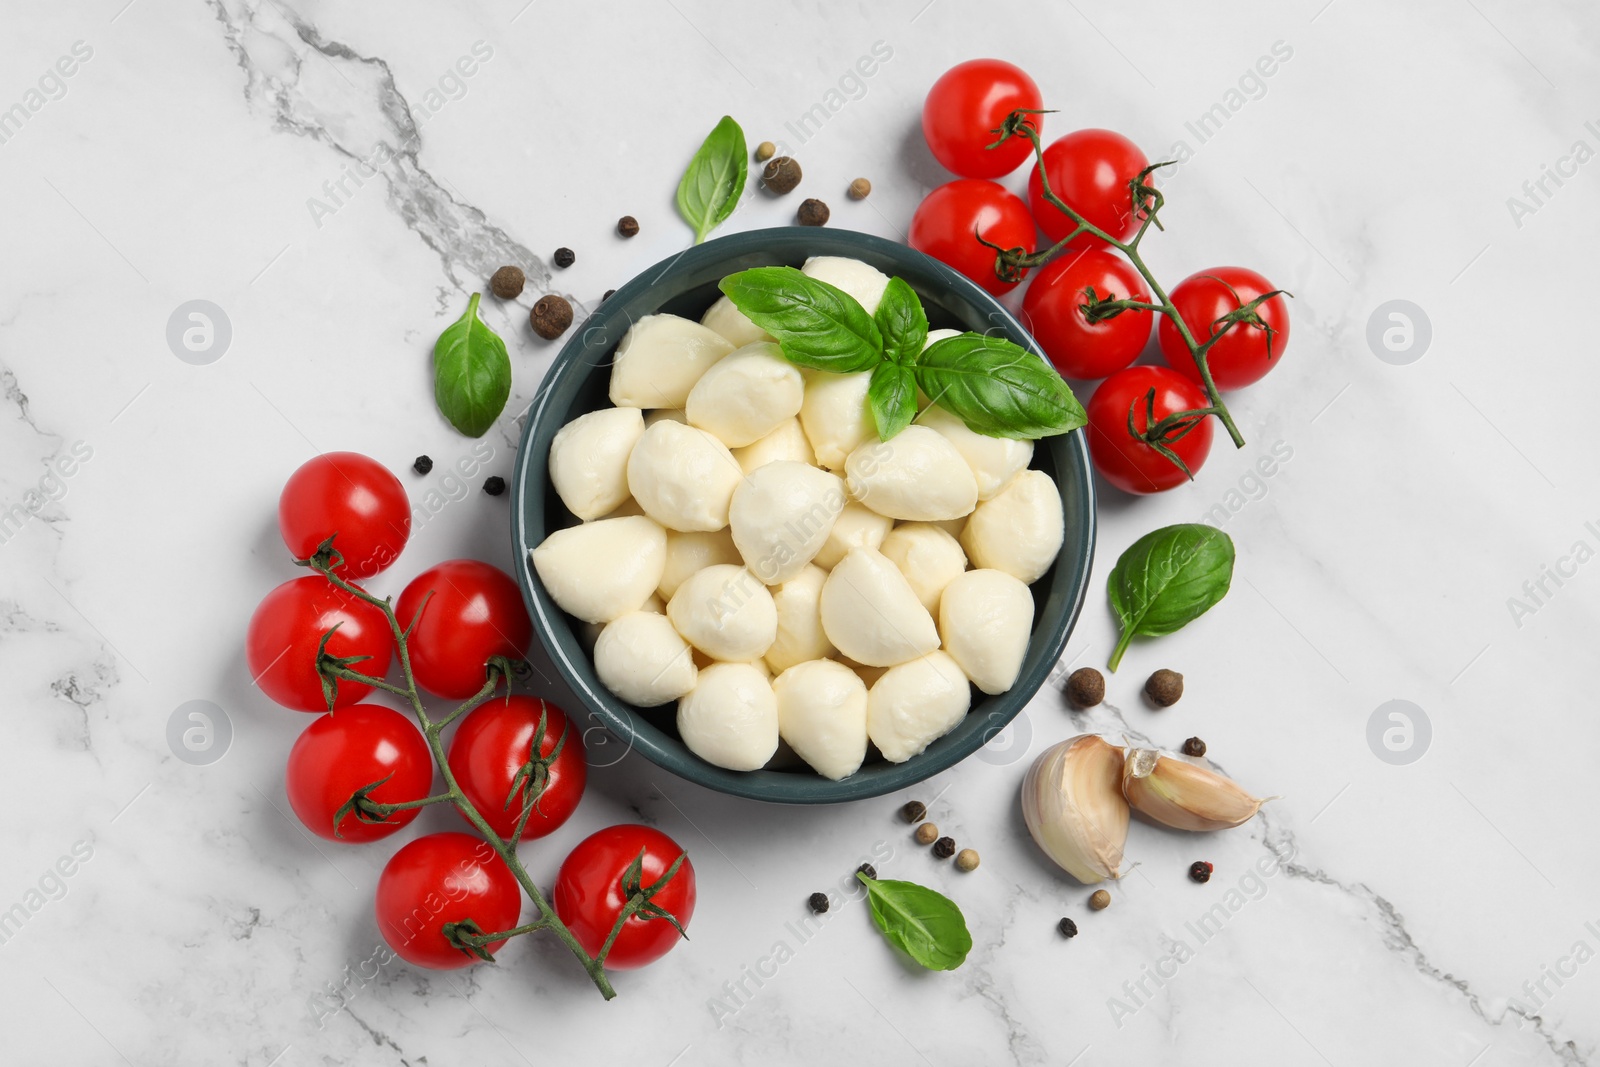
(607, 294)
(1068, 928)
(422, 464)
(817, 902)
(551, 316)
(1200, 871)
(869, 870)
(1194, 747)
(812, 213)
(1086, 687)
(914, 811)
(494, 485)
(565, 257)
(627, 226)
(781, 175)
(945, 847)
(507, 282)
(1164, 687)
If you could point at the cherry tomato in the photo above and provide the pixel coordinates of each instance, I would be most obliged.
(475, 612)
(347, 494)
(1090, 170)
(346, 751)
(589, 894)
(1131, 464)
(439, 879)
(964, 108)
(288, 624)
(1245, 352)
(1053, 309)
(948, 218)
(490, 747)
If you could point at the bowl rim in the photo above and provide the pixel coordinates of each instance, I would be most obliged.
(575, 356)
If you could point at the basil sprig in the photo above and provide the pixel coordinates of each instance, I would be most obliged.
(1167, 579)
(471, 373)
(996, 387)
(926, 924)
(714, 181)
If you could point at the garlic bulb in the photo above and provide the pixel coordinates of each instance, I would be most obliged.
(1072, 802)
(1183, 795)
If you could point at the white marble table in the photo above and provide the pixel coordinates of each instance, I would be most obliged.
(1440, 911)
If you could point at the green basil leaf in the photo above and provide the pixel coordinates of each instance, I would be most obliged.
(817, 325)
(892, 396)
(926, 924)
(998, 388)
(471, 373)
(902, 322)
(711, 187)
(1167, 579)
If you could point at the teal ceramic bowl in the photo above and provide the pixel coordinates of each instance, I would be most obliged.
(577, 383)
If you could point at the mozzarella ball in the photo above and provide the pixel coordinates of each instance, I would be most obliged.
(725, 612)
(688, 553)
(953, 527)
(800, 636)
(602, 569)
(733, 324)
(780, 516)
(1018, 530)
(822, 714)
(683, 477)
(787, 441)
(629, 506)
(643, 660)
(589, 460)
(730, 717)
(857, 526)
(986, 619)
(994, 460)
(664, 414)
(928, 556)
(917, 475)
(864, 283)
(746, 395)
(835, 415)
(933, 337)
(659, 360)
(871, 613)
(915, 704)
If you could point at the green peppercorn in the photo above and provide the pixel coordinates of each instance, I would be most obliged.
(1099, 900)
(927, 834)
(967, 859)
(765, 151)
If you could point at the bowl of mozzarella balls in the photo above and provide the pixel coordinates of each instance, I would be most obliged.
(743, 581)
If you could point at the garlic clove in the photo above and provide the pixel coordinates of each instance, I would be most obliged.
(1072, 802)
(1183, 795)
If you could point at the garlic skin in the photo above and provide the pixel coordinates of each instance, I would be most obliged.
(1183, 795)
(589, 460)
(602, 569)
(659, 360)
(730, 718)
(822, 714)
(914, 704)
(1073, 805)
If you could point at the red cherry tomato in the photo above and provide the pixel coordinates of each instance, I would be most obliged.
(1245, 352)
(347, 494)
(288, 624)
(346, 751)
(964, 108)
(490, 747)
(589, 894)
(1131, 464)
(1053, 309)
(947, 220)
(439, 879)
(1090, 170)
(475, 612)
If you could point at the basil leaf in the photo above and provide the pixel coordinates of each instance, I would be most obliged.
(816, 324)
(927, 925)
(1167, 579)
(902, 322)
(711, 186)
(998, 388)
(471, 373)
(892, 396)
